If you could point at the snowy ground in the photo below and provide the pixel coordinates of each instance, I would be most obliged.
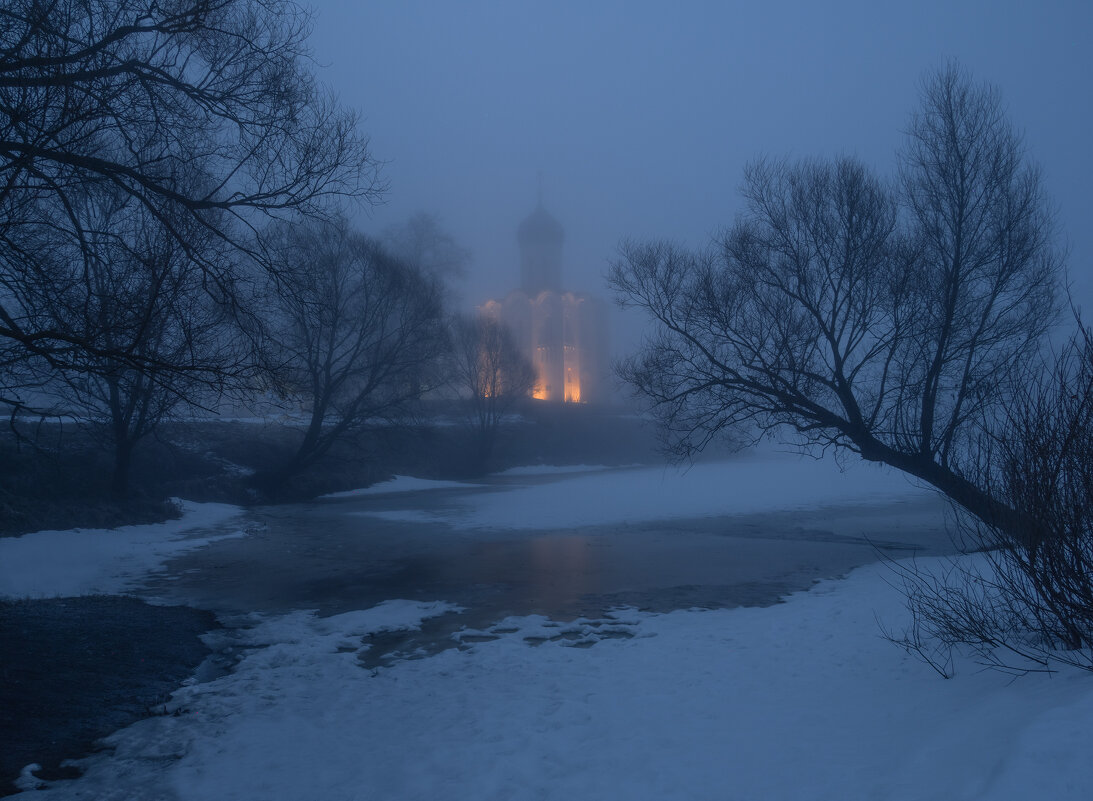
(768, 482)
(797, 701)
(86, 561)
(549, 469)
(399, 484)
(803, 700)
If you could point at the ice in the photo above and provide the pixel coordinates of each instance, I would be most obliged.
(399, 484)
(551, 469)
(802, 700)
(764, 483)
(84, 561)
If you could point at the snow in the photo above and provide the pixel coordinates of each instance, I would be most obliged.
(802, 700)
(400, 484)
(413, 484)
(551, 469)
(798, 701)
(772, 481)
(85, 561)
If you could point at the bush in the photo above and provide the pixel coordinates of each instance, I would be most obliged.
(1027, 600)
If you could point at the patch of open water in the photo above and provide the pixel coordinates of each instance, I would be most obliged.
(330, 557)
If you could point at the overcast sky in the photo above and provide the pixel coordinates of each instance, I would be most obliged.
(642, 115)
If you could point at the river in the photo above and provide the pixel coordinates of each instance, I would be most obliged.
(341, 554)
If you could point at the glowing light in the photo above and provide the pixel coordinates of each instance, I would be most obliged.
(572, 386)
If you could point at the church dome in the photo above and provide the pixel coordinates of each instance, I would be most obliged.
(540, 227)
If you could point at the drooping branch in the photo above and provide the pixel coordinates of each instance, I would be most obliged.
(894, 324)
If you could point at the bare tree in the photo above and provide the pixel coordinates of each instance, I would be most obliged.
(138, 293)
(892, 325)
(357, 334)
(493, 373)
(423, 241)
(1026, 601)
(204, 112)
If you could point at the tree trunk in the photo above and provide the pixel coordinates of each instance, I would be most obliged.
(974, 499)
(119, 480)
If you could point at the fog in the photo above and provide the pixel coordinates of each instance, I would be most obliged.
(641, 116)
(417, 557)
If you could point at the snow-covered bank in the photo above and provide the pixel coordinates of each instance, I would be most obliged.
(84, 561)
(399, 484)
(414, 484)
(767, 482)
(799, 701)
(553, 469)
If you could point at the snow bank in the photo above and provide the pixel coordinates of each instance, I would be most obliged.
(552, 469)
(84, 561)
(400, 484)
(765, 483)
(799, 701)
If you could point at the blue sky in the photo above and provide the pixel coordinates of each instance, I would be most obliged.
(641, 115)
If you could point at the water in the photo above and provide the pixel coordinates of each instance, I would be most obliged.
(332, 557)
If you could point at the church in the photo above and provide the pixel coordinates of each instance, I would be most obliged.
(564, 334)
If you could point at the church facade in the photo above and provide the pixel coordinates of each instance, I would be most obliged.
(564, 334)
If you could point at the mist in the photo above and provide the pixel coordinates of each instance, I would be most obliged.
(641, 116)
(331, 470)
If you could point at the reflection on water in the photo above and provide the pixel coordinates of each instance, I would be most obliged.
(329, 557)
(561, 569)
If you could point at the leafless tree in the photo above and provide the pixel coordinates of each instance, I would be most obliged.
(423, 241)
(1026, 601)
(891, 324)
(137, 293)
(204, 112)
(492, 372)
(356, 337)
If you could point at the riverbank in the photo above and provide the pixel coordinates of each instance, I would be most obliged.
(76, 669)
(79, 656)
(796, 701)
(55, 473)
(528, 657)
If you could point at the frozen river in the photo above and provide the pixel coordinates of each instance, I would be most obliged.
(539, 688)
(567, 543)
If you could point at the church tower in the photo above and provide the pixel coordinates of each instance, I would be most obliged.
(540, 238)
(563, 334)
